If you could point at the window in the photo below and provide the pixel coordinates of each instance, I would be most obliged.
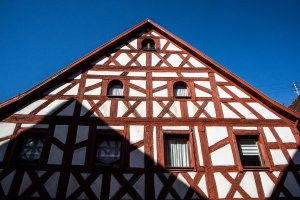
(180, 89)
(108, 152)
(177, 152)
(29, 149)
(115, 88)
(249, 152)
(148, 44)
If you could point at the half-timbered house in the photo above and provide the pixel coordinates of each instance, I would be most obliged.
(147, 116)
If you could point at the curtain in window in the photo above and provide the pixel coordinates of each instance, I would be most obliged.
(108, 151)
(116, 90)
(247, 147)
(32, 149)
(180, 91)
(177, 152)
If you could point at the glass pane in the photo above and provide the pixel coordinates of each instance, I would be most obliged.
(31, 149)
(108, 151)
(249, 152)
(177, 152)
(180, 91)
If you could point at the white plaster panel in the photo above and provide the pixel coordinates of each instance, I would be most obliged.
(111, 127)
(96, 91)
(196, 63)
(174, 60)
(90, 82)
(156, 84)
(295, 155)
(216, 134)
(69, 110)
(195, 75)
(223, 185)
(61, 133)
(31, 107)
(267, 184)
(123, 47)
(26, 182)
(140, 83)
(243, 110)
(73, 90)
(161, 93)
(123, 59)
(137, 158)
(156, 109)
(96, 186)
(135, 93)
(77, 75)
(105, 73)
(141, 109)
(181, 186)
(162, 43)
(85, 107)
(248, 184)
(292, 185)
(198, 142)
(57, 88)
(175, 109)
(285, 134)
(139, 74)
(34, 125)
(105, 108)
(82, 133)
(157, 186)
(205, 84)
(262, 110)
(122, 109)
(222, 156)
(228, 113)
(202, 185)
(154, 59)
(276, 173)
(79, 156)
(114, 186)
(6, 129)
(51, 184)
(200, 93)
(244, 128)
(7, 181)
(55, 155)
(237, 92)
(219, 78)
(233, 174)
(136, 133)
(139, 186)
(164, 74)
(192, 109)
(133, 42)
(172, 47)
(179, 128)
(237, 195)
(101, 61)
(142, 59)
(3, 147)
(52, 107)
(222, 93)
(278, 157)
(210, 108)
(269, 135)
(154, 146)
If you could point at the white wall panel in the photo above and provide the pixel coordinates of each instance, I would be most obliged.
(248, 184)
(79, 156)
(52, 107)
(105, 108)
(136, 133)
(137, 158)
(6, 129)
(285, 134)
(237, 92)
(175, 109)
(263, 111)
(278, 157)
(82, 133)
(123, 59)
(216, 134)
(31, 107)
(269, 135)
(223, 185)
(222, 156)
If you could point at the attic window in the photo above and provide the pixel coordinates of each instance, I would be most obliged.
(115, 88)
(148, 45)
(180, 89)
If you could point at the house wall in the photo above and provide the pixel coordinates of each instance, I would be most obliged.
(73, 111)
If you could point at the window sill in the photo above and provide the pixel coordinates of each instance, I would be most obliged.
(182, 97)
(179, 169)
(254, 168)
(113, 96)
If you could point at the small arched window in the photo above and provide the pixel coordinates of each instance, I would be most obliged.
(115, 88)
(180, 89)
(148, 44)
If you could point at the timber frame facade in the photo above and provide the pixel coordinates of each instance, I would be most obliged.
(63, 121)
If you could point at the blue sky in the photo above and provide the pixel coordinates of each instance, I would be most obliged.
(259, 41)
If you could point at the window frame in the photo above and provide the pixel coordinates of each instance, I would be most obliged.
(173, 134)
(93, 143)
(110, 83)
(21, 135)
(252, 134)
(187, 89)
